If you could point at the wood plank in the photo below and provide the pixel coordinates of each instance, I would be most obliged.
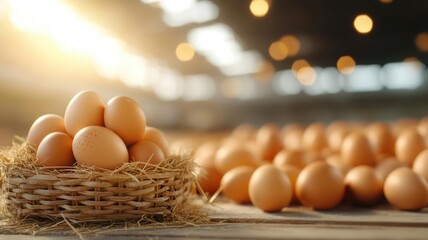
(231, 221)
(383, 215)
(251, 231)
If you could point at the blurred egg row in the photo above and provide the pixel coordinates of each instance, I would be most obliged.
(93, 133)
(319, 165)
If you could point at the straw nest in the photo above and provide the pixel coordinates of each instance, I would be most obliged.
(135, 193)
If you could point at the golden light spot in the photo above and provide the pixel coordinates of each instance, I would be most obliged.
(363, 23)
(184, 52)
(386, 1)
(411, 59)
(345, 65)
(299, 64)
(266, 72)
(292, 43)
(278, 50)
(421, 41)
(259, 8)
(306, 76)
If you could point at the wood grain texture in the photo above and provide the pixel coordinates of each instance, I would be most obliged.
(231, 221)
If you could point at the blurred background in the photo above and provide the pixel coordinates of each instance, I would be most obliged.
(198, 65)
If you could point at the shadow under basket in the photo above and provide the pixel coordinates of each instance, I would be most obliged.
(134, 191)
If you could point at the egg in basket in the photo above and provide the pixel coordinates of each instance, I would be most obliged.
(100, 162)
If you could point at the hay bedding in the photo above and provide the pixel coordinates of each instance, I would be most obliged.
(87, 200)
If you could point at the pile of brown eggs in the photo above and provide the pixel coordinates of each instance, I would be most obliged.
(319, 165)
(96, 134)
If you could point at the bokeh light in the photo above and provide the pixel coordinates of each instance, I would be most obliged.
(411, 59)
(346, 65)
(259, 8)
(421, 41)
(299, 64)
(306, 76)
(386, 1)
(184, 52)
(363, 23)
(278, 50)
(292, 43)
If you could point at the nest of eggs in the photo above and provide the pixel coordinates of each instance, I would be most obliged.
(136, 192)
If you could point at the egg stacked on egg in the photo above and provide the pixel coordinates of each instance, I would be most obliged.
(320, 165)
(96, 134)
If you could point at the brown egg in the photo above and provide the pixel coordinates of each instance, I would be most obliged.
(100, 147)
(423, 127)
(381, 138)
(314, 138)
(235, 184)
(270, 189)
(336, 162)
(336, 133)
(55, 150)
(244, 132)
(356, 150)
(406, 189)
(292, 173)
(408, 145)
(420, 165)
(310, 157)
(146, 152)
(157, 137)
(403, 124)
(363, 185)
(209, 177)
(85, 109)
(384, 168)
(320, 186)
(291, 135)
(124, 116)
(229, 157)
(268, 141)
(290, 157)
(44, 125)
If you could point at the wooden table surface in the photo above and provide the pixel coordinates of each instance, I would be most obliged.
(231, 221)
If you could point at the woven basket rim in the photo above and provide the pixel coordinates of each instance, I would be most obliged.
(132, 191)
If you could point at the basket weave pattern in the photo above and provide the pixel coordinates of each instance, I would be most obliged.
(85, 194)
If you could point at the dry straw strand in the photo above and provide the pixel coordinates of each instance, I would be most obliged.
(35, 198)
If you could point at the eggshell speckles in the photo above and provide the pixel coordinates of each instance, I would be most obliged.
(100, 147)
(44, 125)
(125, 117)
(55, 150)
(270, 189)
(85, 109)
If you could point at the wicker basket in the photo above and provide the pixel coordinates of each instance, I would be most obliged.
(87, 194)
